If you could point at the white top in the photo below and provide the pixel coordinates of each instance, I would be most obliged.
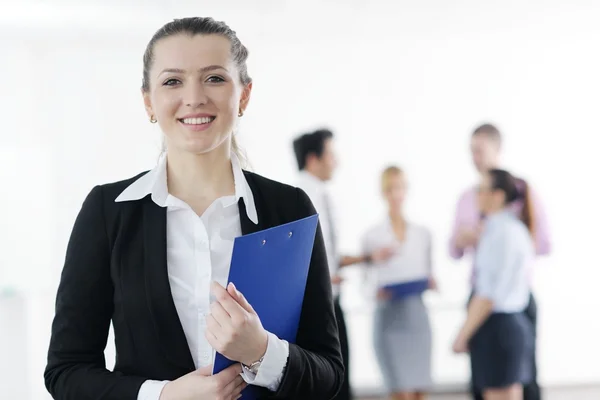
(199, 251)
(503, 260)
(317, 191)
(411, 260)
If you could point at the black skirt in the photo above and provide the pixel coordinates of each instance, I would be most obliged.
(502, 351)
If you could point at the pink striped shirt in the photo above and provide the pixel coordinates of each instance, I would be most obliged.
(468, 217)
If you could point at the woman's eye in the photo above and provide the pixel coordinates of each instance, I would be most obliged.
(171, 82)
(215, 79)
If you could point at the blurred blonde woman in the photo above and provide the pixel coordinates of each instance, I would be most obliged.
(402, 332)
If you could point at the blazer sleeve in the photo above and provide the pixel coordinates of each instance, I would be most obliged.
(314, 369)
(76, 368)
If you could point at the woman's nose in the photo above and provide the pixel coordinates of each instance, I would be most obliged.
(195, 96)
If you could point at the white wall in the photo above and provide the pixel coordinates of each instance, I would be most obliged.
(400, 82)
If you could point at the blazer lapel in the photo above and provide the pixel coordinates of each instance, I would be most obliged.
(158, 290)
(247, 225)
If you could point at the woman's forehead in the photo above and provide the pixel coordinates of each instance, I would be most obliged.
(192, 52)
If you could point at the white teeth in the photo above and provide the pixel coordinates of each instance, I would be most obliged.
(197, 121)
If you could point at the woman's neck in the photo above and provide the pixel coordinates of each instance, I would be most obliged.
(495, 211)
(398, 224)
(199, 179)
(397, 217)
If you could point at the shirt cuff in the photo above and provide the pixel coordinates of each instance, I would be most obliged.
(151, 390)
(272, 366)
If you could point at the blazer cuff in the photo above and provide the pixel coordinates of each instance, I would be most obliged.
(151, 390)
(270, 372)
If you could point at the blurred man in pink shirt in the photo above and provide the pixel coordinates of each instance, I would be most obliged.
(486, 144)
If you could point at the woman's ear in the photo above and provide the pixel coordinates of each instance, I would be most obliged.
(245, 97)
(148, 104)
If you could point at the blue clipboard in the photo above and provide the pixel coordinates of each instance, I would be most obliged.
(270, 268)
(410, 288)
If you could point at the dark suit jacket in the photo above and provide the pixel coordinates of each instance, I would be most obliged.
(116, 269)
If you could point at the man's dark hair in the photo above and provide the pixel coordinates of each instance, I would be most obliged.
(490, 131)
(310, 143)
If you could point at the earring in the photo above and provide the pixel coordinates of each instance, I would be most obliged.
(241, 113)
(153, 120)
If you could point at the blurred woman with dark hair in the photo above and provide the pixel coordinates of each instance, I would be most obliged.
(497, 333)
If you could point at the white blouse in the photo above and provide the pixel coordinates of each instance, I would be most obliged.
(412, 257)
(503, 260)
(199, 250)
(319, 195)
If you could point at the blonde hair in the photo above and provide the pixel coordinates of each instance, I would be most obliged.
(390, 172)
(240, 153)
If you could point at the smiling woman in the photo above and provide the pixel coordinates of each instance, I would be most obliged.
(150, 252)
(186, 63)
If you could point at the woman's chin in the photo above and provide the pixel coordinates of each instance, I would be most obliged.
(197, 144)
(201, 147)
(395, 207)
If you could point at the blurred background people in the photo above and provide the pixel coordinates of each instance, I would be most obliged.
(497, 332)
(393, 86)
(317, 162)
(401, 328)
(486, 143)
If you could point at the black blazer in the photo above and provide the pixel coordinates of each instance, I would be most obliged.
(116, 270)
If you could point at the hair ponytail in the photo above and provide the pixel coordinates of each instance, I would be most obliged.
(515, 190)
(239, 153)
(527, 214)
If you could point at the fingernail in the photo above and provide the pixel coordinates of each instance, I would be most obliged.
(236, 289)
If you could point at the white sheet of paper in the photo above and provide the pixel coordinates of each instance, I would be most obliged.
(410, 261)
(401, 268)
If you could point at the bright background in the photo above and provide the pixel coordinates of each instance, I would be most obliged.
(399, 82)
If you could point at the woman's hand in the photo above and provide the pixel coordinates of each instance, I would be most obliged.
(336, 279)
(226, 385)
(461, 344)
(433, 284)
(382, 254)
(383, 294)
(468, 237)
(233, 327)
